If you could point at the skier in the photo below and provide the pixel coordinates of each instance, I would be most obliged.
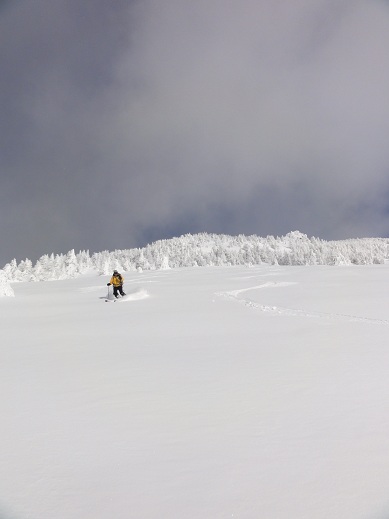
(117, 281)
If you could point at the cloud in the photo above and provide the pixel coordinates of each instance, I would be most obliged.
(237, 99)
(134, 120)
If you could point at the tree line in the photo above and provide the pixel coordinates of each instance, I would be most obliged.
(201, 250)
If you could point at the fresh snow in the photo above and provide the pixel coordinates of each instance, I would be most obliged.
(215, 392)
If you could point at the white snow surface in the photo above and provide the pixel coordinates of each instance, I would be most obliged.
(215, 392)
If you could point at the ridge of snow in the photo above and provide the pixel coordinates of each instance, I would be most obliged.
(295, 248)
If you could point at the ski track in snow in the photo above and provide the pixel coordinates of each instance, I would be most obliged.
(140, 293)
(135, 295)
(293, 312)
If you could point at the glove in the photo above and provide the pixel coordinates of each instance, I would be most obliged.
(108, 284)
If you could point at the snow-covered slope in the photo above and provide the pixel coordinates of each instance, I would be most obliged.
(210, 393)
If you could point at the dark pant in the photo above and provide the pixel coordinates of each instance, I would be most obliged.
(116, 289)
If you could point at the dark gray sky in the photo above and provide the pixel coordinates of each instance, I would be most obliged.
(126, 121)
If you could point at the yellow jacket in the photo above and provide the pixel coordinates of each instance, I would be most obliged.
(117, 280)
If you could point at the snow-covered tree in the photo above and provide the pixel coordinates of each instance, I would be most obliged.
(206, 250)
(5, 288)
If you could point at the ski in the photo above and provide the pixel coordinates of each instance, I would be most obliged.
(116, 299)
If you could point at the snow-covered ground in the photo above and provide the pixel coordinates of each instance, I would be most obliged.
(210, 393)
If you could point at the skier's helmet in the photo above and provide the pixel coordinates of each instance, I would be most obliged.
(115, 272)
